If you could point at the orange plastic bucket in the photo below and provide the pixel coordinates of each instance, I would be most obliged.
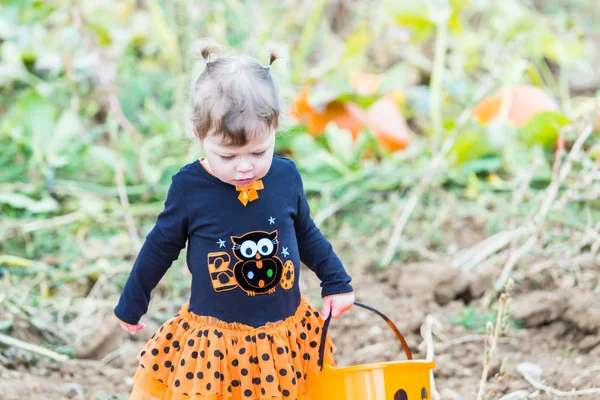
(397, 380)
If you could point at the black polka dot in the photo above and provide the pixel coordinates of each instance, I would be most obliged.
(247, 392)
(298, 374)
(154, 352)
(199, 334)
(189, 375)
(280, 350)
(229, 389)
(217, 375)
(254, 339)
(289, 333)
(235, 363)
(168, 364)
(208, 365)
(316, 314)
(172, 368)
(208, 386)
(208, 343)
(286, 393)
(256, 381)
(248, 338)
(282, 372)
(206, 332)
(303, 336)
(317, 329)
(313, 344)
(176, 344)
(194, 354)
(200, 375)
(142, 354)
(182, 362)
(319, 363)
(400, 395)
(306, 356)
(262, 335)
(186, 325)
(219, 334)
(263, 391)
(235, 383)
(287, 349)
(169, 336)
(294, 354)
(265, 357)
(191, 342)
(242, 350)
(218, 354)
(160, 380)
(155, 367)
(177, 383)
(244, 372)
(270, 378)
(216, 332)
(308, 326)
(308, 314)
(202, 354)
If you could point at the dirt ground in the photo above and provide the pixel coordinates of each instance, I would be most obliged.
(556, 340)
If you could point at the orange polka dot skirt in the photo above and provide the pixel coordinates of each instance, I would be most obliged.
(193, 357)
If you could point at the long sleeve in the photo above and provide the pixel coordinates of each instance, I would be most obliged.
(162, 246)
(316, 252)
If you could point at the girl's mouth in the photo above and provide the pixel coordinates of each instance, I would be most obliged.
(243, 182)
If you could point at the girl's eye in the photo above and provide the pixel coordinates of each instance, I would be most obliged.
(260, 154)
(227, 158)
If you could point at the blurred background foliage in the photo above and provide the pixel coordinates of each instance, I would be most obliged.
(445, 108)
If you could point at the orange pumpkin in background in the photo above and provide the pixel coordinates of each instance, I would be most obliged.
(525, 102)
(383, 118)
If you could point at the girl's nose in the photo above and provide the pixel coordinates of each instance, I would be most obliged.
(244, 167)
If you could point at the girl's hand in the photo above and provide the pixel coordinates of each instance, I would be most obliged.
(132, 328)
(337, 304)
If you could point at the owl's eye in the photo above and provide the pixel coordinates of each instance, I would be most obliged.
(248, 248)
(265, 246)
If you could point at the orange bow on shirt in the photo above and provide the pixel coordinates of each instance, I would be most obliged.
(249, 193)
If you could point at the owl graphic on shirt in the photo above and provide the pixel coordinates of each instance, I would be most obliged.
(258, 270)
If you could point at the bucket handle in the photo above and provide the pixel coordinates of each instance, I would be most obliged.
(366, 307)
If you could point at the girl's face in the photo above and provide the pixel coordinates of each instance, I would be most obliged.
(240, 165)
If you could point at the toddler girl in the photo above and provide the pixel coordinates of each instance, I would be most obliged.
(247, 332)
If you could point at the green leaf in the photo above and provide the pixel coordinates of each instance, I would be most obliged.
(64, 140)
(469, 145)
(340, 143)
(543, 128)
(20, 201)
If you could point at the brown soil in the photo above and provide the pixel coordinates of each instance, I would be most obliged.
(561, 336)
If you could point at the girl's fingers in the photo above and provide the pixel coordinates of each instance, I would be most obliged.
(326, 308)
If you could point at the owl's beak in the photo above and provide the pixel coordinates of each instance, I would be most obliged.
(258, 256)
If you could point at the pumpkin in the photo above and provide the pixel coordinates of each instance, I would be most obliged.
(525, 102)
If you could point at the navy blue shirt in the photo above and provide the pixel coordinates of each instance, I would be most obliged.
(244, 260)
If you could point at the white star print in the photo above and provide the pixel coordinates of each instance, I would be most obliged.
(271, 221)
(221, 243)
(285, 252)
